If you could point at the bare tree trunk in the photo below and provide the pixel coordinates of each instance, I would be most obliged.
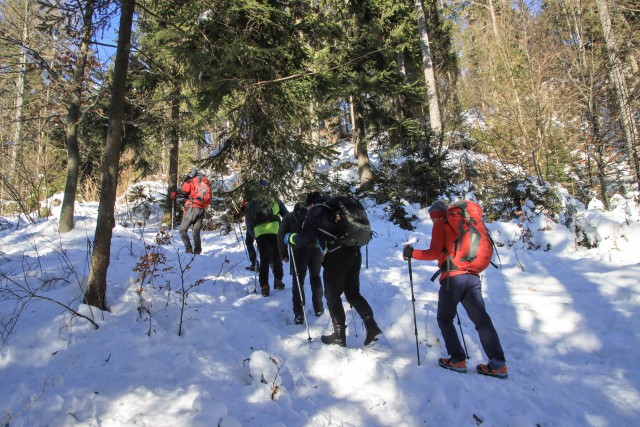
(494, 23)
(344, 117)
(352, 115)
(527, 141)
(598, 152)
(3, 159)
(429, 73)
(595, 151)
(622, 94)
(174, 145)
(399, 100)
(95, 294)
(42, 164)
(309, 170)
(20, 84)
(365, 173)
(73, 123)
(602, 174)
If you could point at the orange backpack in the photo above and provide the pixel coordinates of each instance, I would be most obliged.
(473, 246)
(201, 190)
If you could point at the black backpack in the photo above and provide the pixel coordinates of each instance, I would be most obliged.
(299, 214)
(262, 211)
(353, 227)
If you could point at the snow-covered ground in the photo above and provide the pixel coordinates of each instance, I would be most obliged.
(567, 318)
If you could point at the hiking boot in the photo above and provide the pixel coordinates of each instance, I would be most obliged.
(319, 312)
(278, 284)
(338, 336)
(197, 251)
(189, 250)
(252, 267)
(265, 290)
(373, 331)
(299, 320)
(453, 365)
(494, 368)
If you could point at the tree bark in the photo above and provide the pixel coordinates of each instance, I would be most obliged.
(365, 173)
(622, 93)
(174, 145)
(309, 169)
(352, 116)
(73, 123)
(20, 85)
(429, 73)
(95, 294)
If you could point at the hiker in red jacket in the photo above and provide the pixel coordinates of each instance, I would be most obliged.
(197, 192)
(459, 286)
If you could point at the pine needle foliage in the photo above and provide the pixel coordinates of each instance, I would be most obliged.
(243, 69)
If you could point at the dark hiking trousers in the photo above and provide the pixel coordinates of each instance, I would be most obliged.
(194, 217)
(341, 274)
(269, 257)
(307, 258)
(251, 250)
(466, 289)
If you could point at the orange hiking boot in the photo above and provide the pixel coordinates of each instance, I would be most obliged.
(494, 369)
(453, 365)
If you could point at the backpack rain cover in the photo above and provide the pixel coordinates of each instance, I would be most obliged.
(473, 247)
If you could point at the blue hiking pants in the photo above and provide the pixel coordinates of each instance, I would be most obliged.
(466, 289)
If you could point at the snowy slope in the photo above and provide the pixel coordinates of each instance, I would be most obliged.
(567, 319)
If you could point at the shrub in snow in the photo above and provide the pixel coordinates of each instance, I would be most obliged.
(265, 372)
(138, 206)
(548, 217)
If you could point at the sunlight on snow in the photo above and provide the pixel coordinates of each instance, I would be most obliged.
(555, 320)
(139, 406)
(621, 390)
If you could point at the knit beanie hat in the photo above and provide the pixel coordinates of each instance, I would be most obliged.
(312, 197)
(438, 209)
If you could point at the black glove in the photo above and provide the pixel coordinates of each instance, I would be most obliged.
(407, 253)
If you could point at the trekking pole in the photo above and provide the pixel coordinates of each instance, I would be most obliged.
(464, 343)
(246, 251)
(366, 253)
(353, 321)
(255, 277)
(173, 213)
(235, 233)
(297, 279)
(413, 303)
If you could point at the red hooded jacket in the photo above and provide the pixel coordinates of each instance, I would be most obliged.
(188, 190)
(442, 240)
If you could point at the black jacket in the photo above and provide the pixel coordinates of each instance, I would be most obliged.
(318, 217)
(291, 223)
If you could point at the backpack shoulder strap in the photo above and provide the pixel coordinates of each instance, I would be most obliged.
(322, 230)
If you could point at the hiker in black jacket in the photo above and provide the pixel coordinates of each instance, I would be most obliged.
(249, 240)
(308, 257)
(341, 272)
